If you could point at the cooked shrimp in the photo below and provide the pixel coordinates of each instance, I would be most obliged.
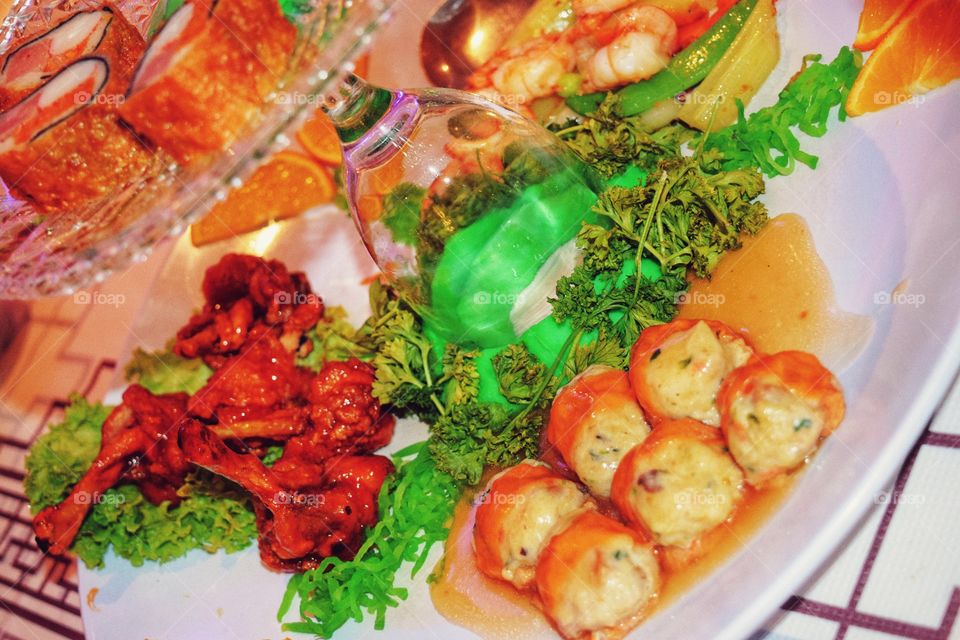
(519, 511)
(775, 410)
(594, 421)
(687, 11)
(524, 73)
(677, 368)
(597, 576)
(635, 43)
(594, 7)
(678, 484)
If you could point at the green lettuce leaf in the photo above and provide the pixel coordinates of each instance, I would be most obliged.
(60, 457)
(166, 372)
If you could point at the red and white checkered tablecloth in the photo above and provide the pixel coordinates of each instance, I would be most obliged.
(898, 576)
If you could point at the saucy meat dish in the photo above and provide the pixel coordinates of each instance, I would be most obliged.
(317, 499)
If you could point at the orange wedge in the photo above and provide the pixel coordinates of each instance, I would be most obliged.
(287, 185)
(387, 176)
(920, 53)
(319, 138)
(379, 183)
(362, 66)
(369, 207)
(317, 134)
(876, 19)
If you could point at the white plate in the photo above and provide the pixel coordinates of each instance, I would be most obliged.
(883, 211)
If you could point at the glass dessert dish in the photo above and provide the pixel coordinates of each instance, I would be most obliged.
(121, 123)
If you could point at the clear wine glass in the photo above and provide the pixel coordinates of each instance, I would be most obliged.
(469, 209)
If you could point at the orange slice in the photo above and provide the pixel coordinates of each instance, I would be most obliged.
(317, 134)
(876, 19)
(919, 54)
(319, 138)
(287, 185)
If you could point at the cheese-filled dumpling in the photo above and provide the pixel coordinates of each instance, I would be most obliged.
(597, 574)
(775, 410)
(518, 512)
(677, 368)
(678, 484)
(594, 421)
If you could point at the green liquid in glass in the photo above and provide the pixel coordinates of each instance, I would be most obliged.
(487, 264)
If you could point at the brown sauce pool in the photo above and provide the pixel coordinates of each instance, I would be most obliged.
(777, 290)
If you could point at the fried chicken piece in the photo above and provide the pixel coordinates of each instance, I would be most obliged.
(317, 498)
(242, 292)
(278, 425)
(345, 418)
(261, 385)
(138, 444)
(321, 493)
(298, 525)
(261, 394)
(160, 469)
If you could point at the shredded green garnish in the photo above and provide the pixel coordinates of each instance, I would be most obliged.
(416, 505)
(767, 138)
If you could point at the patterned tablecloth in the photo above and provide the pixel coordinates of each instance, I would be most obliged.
(897, 576)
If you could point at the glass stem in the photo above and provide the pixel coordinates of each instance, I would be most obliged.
(355, 107)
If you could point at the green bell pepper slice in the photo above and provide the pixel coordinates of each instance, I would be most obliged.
(686, 69)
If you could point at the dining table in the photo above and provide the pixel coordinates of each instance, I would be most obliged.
(896, 575)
